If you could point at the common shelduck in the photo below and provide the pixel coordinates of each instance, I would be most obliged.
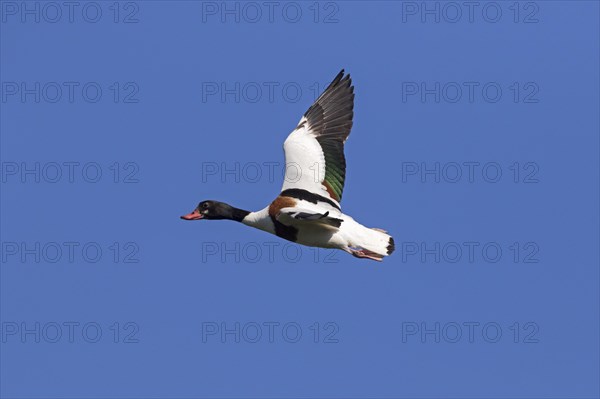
(307, 211)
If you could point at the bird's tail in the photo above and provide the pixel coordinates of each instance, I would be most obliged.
(374, 242)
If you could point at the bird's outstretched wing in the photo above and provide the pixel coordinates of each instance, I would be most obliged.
(314, 151)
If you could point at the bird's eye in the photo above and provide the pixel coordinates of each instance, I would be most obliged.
(205, 205)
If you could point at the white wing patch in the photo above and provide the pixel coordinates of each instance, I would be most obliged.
(304, 161)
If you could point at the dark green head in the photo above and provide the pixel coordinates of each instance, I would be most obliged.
(215, 210)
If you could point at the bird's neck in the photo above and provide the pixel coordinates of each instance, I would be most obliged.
(238, 214)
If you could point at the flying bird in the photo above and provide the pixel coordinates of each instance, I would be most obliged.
(307, 211)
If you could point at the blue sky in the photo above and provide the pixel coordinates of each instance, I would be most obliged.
(475, 144)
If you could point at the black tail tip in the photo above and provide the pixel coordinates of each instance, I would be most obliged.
(391, 247)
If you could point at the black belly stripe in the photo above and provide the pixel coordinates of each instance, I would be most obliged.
(308, 196)
(289, 233)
